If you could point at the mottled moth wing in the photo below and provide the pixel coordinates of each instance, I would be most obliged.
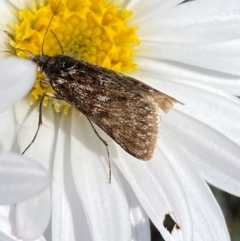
(125, 108)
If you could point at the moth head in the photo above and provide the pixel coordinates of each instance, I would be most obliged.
(40, 60)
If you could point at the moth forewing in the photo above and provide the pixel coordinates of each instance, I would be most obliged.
(123, 107)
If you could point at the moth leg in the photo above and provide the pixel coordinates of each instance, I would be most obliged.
(39, 122)
(106, 145)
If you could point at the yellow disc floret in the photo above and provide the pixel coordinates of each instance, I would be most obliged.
(93, 30)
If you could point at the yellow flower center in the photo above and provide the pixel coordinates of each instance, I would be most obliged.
(93, 30)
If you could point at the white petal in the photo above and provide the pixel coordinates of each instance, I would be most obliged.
(7, 224)
(6, 13)
(208, 220)
(143, 10)
(33, 216)
(20, 178)
(223, 57)
(7, 17)
(138, 217)
(159, 191)
(11, 120)
(105, 204)
(69, 222)
(188, 74)
(195, 21)
(17, 78)
(21, 110)
(7, 128)
(8, 230)
(215, 157)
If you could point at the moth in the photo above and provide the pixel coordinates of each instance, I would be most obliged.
(123, 107)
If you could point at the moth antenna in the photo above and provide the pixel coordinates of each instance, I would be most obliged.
(57, 41)
(30, 54)
(44, 37)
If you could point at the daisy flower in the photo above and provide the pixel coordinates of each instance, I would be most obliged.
(189, 50)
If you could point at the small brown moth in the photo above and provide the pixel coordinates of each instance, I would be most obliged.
(123, 107)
